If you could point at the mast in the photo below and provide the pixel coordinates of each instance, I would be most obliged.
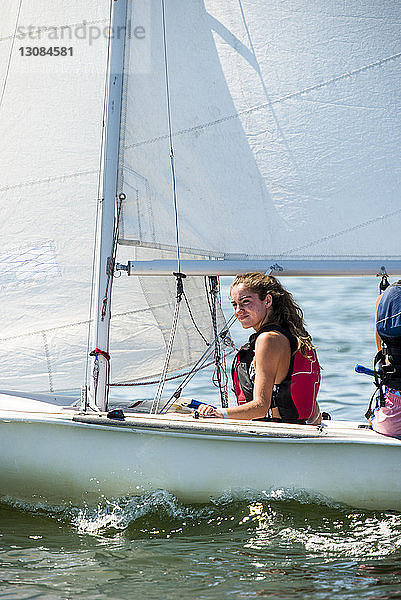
(105, 267)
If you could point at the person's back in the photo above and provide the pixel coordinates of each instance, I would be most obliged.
(385, 417)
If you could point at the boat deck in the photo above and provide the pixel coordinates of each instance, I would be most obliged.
(22, 409)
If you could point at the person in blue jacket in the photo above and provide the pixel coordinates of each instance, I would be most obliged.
(385, 417)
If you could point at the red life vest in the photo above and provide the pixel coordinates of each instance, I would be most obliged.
(295, 397)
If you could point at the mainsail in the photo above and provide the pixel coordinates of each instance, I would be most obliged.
(50, 121)
(286, 129)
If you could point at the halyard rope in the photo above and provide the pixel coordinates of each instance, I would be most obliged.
(3, 91)
(179, 275)
(170, 137)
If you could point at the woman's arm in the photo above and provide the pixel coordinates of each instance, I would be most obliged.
(272, 361)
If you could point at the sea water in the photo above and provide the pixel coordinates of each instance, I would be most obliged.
(270, 546)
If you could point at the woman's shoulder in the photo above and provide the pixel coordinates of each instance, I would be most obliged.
(273, 340)
(281, 334)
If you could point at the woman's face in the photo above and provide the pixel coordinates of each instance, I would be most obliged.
(248, 308)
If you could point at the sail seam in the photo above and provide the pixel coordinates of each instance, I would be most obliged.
(48, 361)
(338, 234)
(267, 105)
(76, 324)
(48, 180)
(85, 322)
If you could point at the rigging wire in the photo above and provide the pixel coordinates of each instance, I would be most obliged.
(219, 378)
(99, 201)
(179, 276)
(223, 333)
(160, 387)
(193, 319)
(3, 91)
(170, 137)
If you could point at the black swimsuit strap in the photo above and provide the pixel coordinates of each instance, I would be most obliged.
(273, 327)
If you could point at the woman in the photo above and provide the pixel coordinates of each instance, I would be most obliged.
(276, 375)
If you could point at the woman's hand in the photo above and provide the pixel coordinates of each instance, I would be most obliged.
(205, 410)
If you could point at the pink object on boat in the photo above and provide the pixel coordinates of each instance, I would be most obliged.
(387, 419)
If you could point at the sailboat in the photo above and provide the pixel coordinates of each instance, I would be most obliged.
(149, 148)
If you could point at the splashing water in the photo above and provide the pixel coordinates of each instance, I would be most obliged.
(277, 518)
(151, 546)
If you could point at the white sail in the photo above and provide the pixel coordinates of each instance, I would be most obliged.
(51, 120)
(286, 129)
(51, 131)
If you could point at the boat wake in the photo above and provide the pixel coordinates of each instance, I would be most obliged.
(292, 521)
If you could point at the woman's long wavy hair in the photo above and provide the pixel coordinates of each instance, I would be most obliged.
(285, 311)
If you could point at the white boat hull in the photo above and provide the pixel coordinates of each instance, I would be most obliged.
(61, 456)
